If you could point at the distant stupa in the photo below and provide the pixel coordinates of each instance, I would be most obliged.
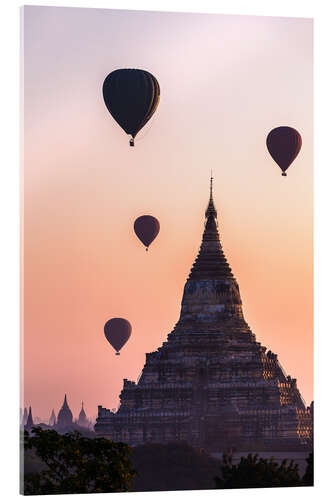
(25, 417)
(211, 383)
(65, 416)
(82, 420)
(52, 419)
(30, 423)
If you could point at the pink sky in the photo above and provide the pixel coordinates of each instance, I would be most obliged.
(225, 81)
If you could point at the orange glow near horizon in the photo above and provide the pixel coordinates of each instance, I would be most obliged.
(225, 81)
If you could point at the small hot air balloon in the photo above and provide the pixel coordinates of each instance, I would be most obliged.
(117, 331)
(146, 228)
(284, 144)
(131, 96)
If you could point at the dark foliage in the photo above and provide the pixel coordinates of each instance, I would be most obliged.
(84, 431)
(76, 464)
(308, 476)
(254, 472)
(172, 466)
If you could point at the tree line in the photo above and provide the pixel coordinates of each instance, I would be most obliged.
(73, 463)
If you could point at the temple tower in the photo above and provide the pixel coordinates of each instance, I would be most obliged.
(65, 416)
(82, 420)
(30, 423)
(211, 294)
(25, 416)
(52, 419)
(211, 383)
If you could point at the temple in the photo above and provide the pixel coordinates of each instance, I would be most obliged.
(82, 420)
(52, 419)
(30, 423)
(25, 416)
(65, 416)
(211, 383)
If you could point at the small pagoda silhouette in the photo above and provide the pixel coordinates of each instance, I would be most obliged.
(52, 419)
(65, 416)
(82, 420)
(30, 423)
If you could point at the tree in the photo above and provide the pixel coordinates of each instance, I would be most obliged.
(254, 472)
(308, 476)
(76, 464)
(172, 466)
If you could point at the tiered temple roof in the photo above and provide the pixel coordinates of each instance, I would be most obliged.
(211, 261)
(211, 383)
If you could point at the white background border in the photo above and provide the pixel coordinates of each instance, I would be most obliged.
(321, 11)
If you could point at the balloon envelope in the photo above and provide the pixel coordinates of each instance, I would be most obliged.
(146, 228)
(117, 331)
(284, 144)
(131, 97)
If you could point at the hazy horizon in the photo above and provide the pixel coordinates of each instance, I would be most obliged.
(225, 82)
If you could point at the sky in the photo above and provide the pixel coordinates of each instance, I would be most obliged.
(225, 82)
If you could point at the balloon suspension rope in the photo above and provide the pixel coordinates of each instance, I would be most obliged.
(284, 174)
(131, 142)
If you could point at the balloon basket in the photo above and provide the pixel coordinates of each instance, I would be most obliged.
(117, 353)
(131, 142)
(284, 174)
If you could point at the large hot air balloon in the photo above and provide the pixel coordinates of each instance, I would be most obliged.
(284, 144)
(131, 96)
(146, 228)
(117, 331)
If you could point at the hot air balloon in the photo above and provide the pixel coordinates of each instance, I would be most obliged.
(146, 228)
(284, 144)
(131, 96)
(117, 331)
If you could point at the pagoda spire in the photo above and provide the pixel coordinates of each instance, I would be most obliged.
(83, 421)
(52, 419)
(211, 293)
(65, 405)
(65, 416)
(25, 416)
(82, 412)
(211, 210)
(30, 421)
(210, 262)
